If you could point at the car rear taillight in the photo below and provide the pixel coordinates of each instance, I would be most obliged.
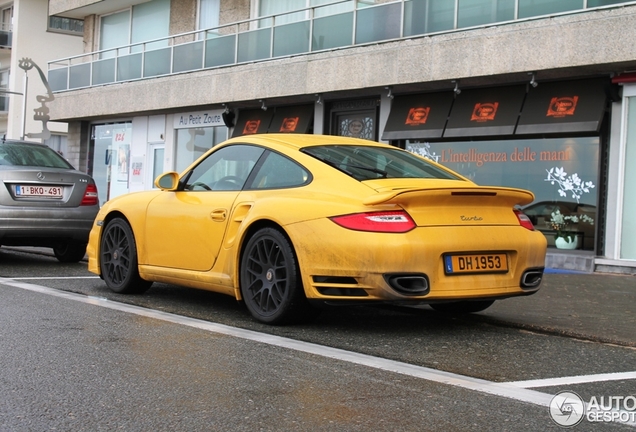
(90, 196)
(386, 221)
(524, 220)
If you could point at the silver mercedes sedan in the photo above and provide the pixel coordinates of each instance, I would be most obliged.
(44, 201)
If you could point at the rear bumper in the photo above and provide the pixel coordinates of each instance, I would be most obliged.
(45, 227)
(354, 265)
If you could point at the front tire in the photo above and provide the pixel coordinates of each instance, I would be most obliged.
(69, 252)
(118, 259)
(270, 281)
(462, 307)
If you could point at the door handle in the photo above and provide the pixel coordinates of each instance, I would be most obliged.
(219, 215)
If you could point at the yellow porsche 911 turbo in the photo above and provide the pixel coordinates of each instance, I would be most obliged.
(284, 221)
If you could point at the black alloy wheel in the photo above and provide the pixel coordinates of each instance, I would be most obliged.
(270, 280)
(462, 307)
(118, 259)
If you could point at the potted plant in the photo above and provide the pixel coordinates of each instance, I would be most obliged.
(566, 237)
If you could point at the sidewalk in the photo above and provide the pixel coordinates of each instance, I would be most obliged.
(599, 307)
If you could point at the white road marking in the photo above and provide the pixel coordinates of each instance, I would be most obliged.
(510, 390)
(54, 277)
(580, 379)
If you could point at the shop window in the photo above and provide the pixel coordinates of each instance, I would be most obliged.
(109, 155)
(561, 172)
(628, 228)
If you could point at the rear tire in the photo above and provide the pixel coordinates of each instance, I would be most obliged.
(118, 259)
(270, 280)
(69, 252)
(462, 307)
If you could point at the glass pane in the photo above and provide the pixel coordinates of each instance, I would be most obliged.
(129, 67)
(103, 71)
(279, 172)
(428, 16)
(530, 8)
(80, 76)
(110, 153)
(58, 79)
(114, 32)
(157, 62)
(561, 172)
(209, 13)
(192, 143)
(150, 21)
(157, 163)
(279, 7)
(596, 3)
(291, 39)
(187, 57)
(378, 23)
(479, 12)
(226, 169)
(628, 231)
(333, 31)
(357, 125)
(220, 51)
(254, 45)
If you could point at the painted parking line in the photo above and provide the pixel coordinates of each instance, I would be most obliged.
(511, 390)
(579, 379)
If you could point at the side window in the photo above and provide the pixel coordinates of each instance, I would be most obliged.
(279, 172)
(224, 170)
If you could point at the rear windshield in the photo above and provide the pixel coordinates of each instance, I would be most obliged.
(20, 154)
(369, 163)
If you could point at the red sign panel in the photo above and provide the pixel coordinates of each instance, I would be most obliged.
(484, 111)
(562, 106)
(417, 116)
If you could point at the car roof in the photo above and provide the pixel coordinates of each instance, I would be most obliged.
(297, 141)
(29, 143)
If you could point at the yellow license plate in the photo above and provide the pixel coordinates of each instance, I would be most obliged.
(475, 263)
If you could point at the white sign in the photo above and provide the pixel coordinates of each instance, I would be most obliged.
(199, 119)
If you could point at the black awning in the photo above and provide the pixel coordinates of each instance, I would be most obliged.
(421, 116)
(252, 121)
(564, 107)
(292, 119)
(485, 111)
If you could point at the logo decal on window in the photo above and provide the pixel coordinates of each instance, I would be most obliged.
(484, 111)
(289, 124)
(417, 116)
(562, 106)
(251, 127)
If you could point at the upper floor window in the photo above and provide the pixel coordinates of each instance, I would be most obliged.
(7, 18)
(141, 23)
(66, 25)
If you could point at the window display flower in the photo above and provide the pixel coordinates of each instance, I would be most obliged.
(561, 223)
(572, 184)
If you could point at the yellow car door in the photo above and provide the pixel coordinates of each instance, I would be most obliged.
(185, 228)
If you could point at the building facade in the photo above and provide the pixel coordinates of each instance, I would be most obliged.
(525, 93)
(29, 38)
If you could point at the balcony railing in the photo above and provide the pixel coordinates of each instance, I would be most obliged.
(337, 25)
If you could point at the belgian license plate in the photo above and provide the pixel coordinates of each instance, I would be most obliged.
(476, 263)
(38, 191)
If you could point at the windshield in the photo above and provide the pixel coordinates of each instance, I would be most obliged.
(21, 154)
(368, 163)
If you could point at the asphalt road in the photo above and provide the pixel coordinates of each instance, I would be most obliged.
(75, 356)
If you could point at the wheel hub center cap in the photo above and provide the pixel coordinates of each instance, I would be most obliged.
(116, 254)
(269, 275)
